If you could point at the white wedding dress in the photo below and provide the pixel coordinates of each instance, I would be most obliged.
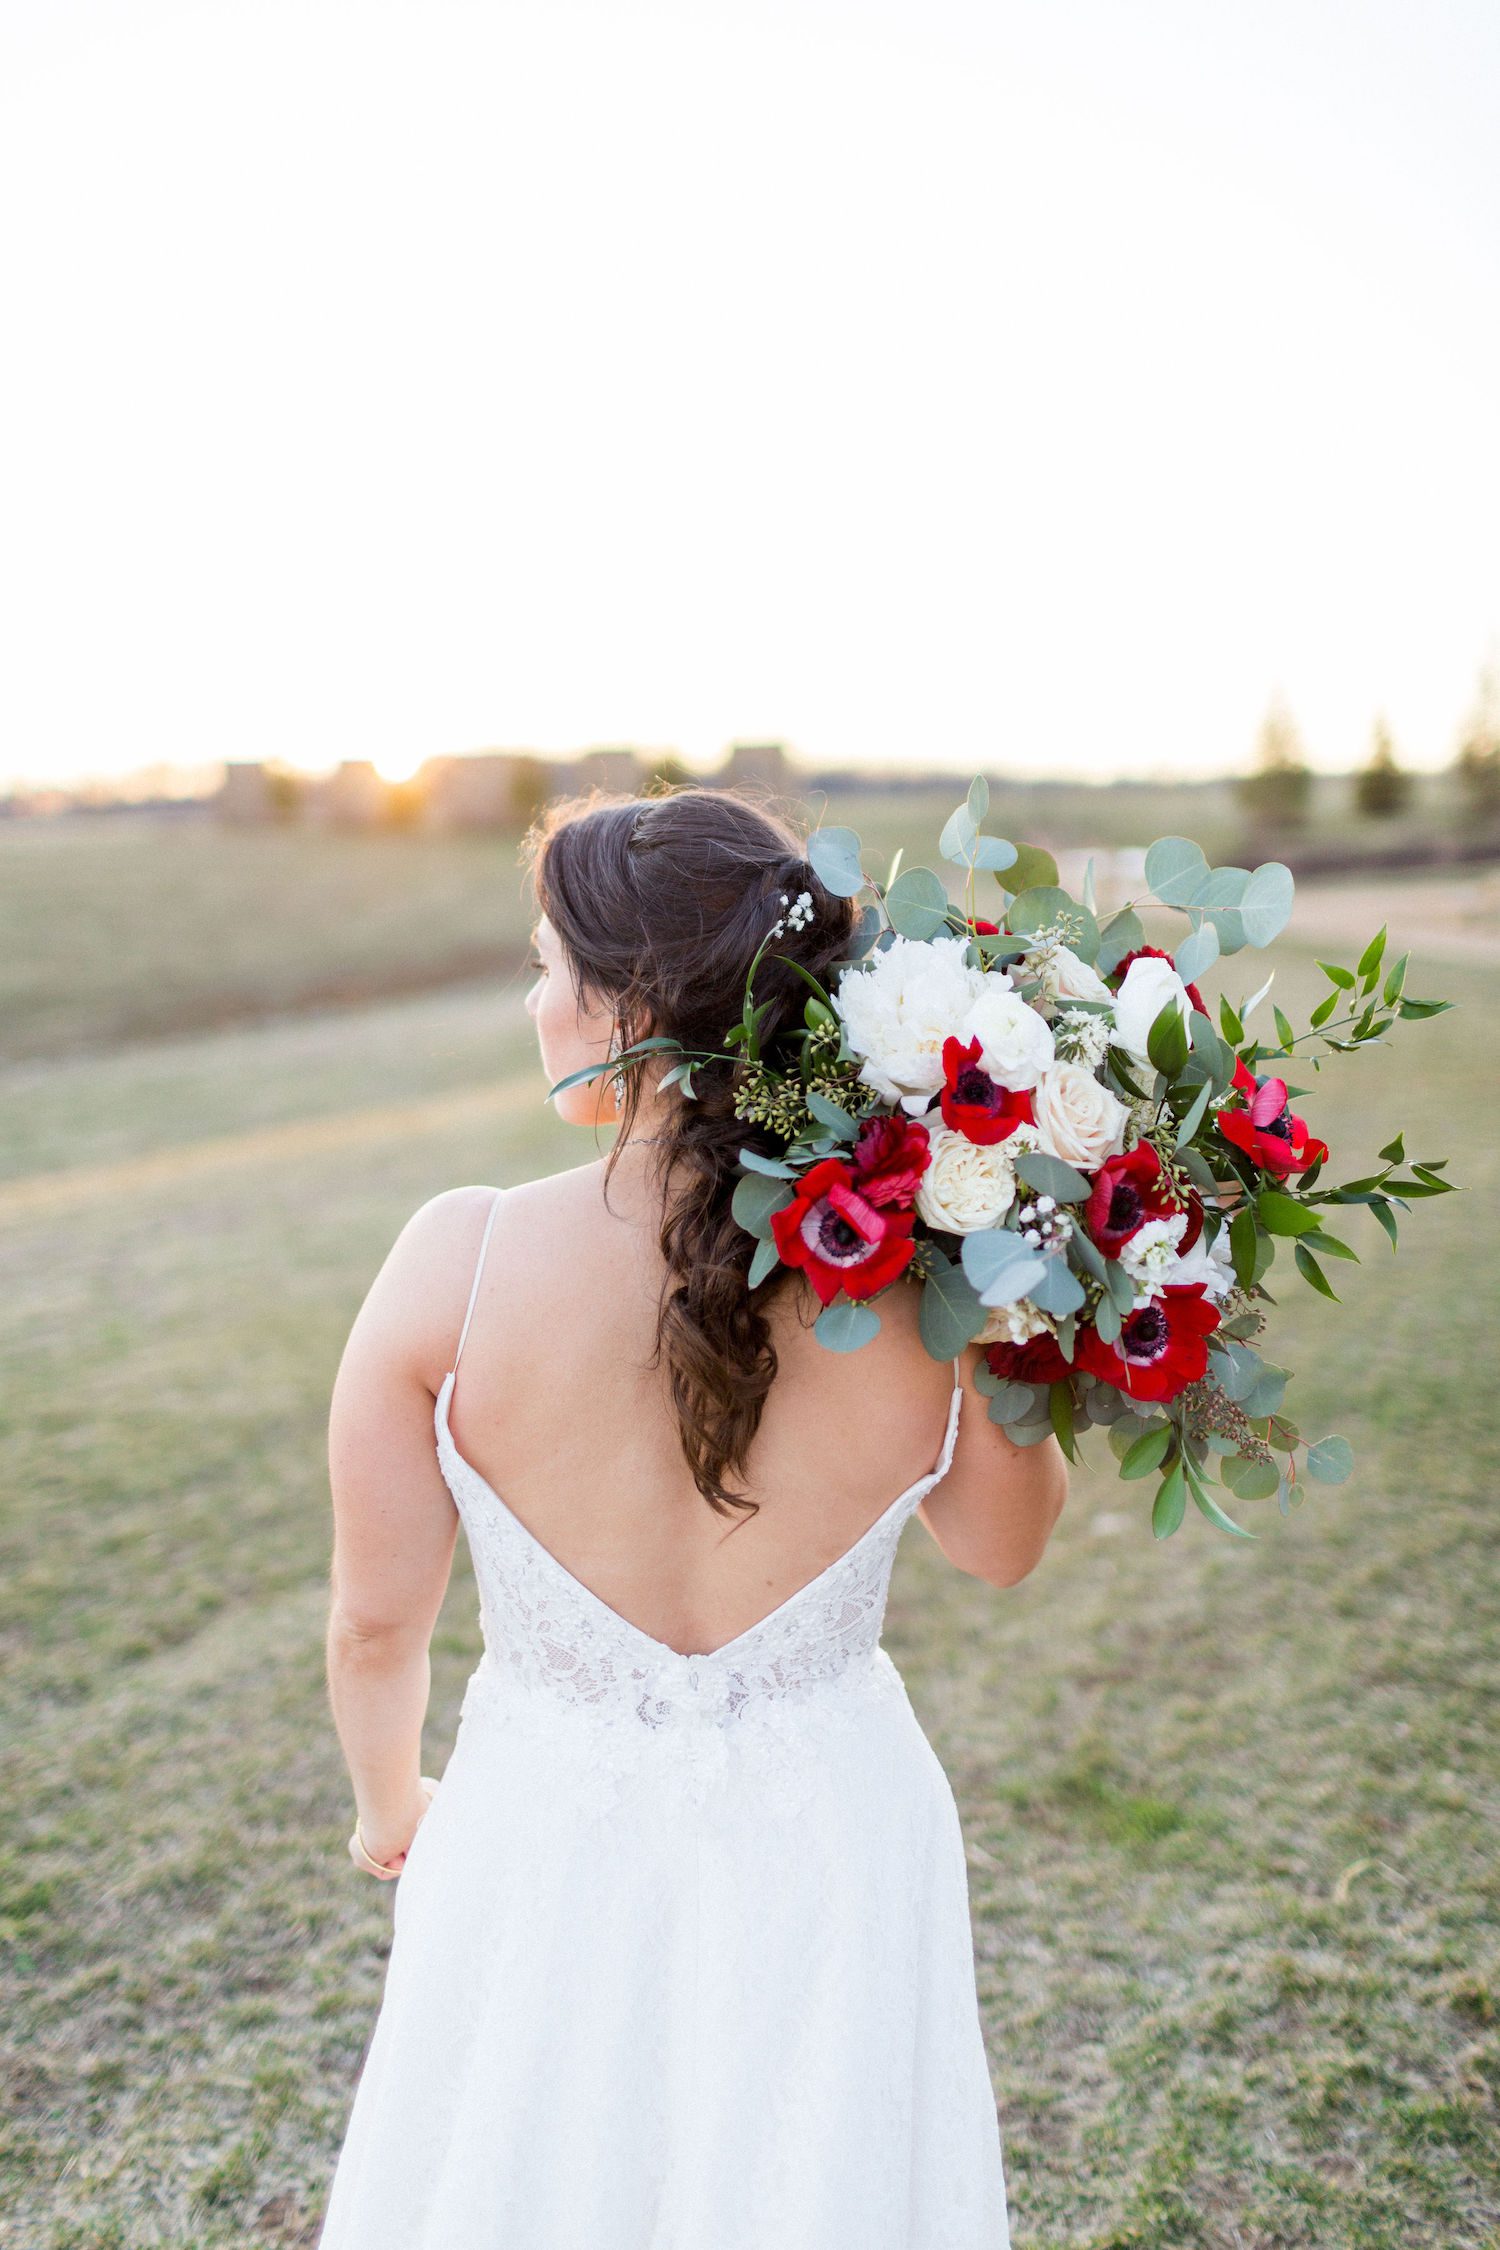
(681, 1956)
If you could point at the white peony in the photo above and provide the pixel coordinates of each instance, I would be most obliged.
(965, 1186)
(1015, 1042)
(900, 1006)
(1210, 1265)
(1078, 1119)
(1149, 985)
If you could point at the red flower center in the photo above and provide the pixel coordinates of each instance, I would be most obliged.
(974, 1085)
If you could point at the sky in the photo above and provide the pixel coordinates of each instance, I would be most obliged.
(1041, 388)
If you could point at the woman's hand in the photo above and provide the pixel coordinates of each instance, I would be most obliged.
(383, 1846)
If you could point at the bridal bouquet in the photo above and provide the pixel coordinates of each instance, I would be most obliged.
(1039, 1118)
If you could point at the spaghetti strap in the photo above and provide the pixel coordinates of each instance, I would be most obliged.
(958, 1373)
(484, 1243)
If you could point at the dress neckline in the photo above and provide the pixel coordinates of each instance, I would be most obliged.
(664, 1649)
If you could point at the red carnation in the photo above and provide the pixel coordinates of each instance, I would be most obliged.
(1038, 1360)
(1155, 953)
(1263, 1126)
(1129, 1190)
(975, 1104)
(1162, 1348)
(890, 1156)
(839, 1237)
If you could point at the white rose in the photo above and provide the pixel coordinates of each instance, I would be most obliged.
(1078, 1119)
(899, 1006)
(1014, 1324)
(1068, 978)
(1015, 1042)
(966, 1187)
(1149, 985)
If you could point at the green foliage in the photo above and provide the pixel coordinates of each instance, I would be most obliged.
(1277, 792)
(1381, 788)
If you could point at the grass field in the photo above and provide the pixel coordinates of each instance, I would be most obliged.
(1230, 1810)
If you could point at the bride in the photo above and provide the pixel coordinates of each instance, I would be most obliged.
(681, 1953)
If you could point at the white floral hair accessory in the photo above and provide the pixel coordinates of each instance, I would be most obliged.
(797, 916)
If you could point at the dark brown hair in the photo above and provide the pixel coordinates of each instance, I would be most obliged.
(659, 903)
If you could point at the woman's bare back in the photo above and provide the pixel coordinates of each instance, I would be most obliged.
(557, 1407)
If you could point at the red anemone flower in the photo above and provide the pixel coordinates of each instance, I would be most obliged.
(1129, 1190)
(1162, 1348)
(975, 1104)
(838, 1236)
(1156, 953)
(1262, 1124)
(1038, 1360)
(890, 1156)
(985, 929)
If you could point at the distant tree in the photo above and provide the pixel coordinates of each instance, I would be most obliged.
(1277, 792)
(1381, 788)
(286, 790)
(667, 772)
(1477, 765)
(530, 788)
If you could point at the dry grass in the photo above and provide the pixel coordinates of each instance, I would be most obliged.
(1230, 1809)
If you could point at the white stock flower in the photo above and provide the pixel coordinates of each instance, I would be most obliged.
(1151, 1253)
(1015, 1042)
(1149, 985)
(1014, 1324)
(1210, 1265)
(1081, 1037)
(899, 1007)
(966, 1186)
(1078, 1119)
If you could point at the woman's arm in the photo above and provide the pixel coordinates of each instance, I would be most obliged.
(395, 1524)
(994, 1512)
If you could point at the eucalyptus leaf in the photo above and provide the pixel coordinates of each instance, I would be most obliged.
(1050, 1176)
(1059, 1290)
(917, 903)
(1175, 866)
(995, 855)
(1000, 1267)
(1033, 869)
(766, 1258)
(950, 1314)
(833, 855)
(1249, 1480)
(755, 1198)
(774, 1167)
(1120, 935)
(1197, 952)
(828, 1113)
(958, 834)
(1330, 1460)
(845, 1327)
(1011, 1402)
(1266, 907)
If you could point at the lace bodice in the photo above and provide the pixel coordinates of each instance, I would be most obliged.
(548, 1634)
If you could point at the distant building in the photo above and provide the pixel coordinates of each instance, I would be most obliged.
(247, 796)
(352, 796)
(480, 791)
(622, 770)
(757, 765)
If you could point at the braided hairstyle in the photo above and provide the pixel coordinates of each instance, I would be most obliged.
(659, 903)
